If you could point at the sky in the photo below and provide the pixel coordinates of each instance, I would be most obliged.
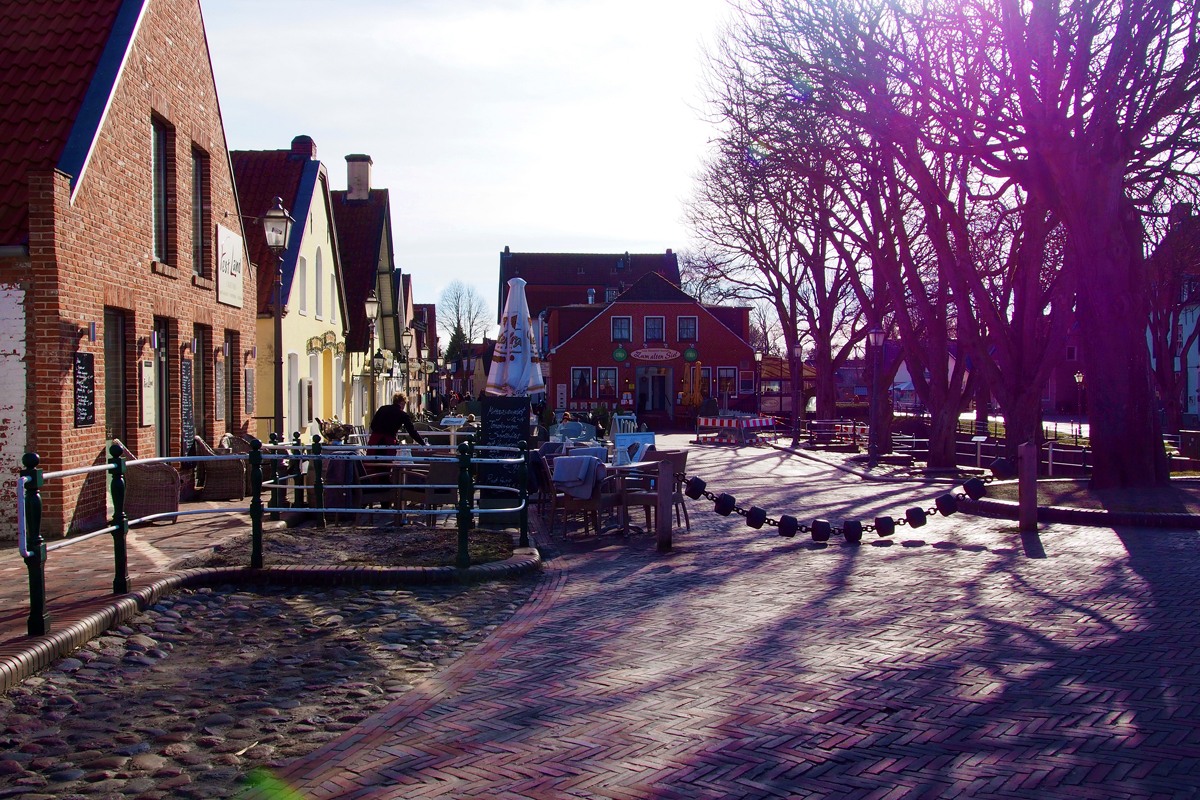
(544, 125)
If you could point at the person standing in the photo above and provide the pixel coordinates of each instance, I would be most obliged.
(386, 425)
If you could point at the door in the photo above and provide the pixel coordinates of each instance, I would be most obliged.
(162, 388)
(116, 391)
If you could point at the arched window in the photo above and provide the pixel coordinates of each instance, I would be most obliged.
(301, 287)
(320, 287)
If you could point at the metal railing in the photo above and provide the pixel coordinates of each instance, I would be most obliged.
(287, 466)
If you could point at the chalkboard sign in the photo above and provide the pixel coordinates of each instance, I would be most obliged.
(187, 425)
(250, 392)
(505, 423)
(85, 390)
(219, 374)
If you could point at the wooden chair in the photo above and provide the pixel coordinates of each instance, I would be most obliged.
(605, 497)
(645, 494)
(223, 480)
(546, 496)
(150, 488)
(439, 474)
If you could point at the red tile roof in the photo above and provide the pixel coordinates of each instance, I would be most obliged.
(48, 55)
(261, 176)
(360, 226)
(576, 272)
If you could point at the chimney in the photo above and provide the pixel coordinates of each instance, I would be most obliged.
(668, 251)
(358, 176)
(303, 148)
(506, 250)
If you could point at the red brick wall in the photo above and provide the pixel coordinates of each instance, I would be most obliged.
(592, 346)
(97, 252)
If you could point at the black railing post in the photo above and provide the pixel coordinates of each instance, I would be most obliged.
(297, 482)
(120, 521)
(277, 496)
(318, 480)
(39, 620)
(466, 495)
(523, 484)
(256, 506)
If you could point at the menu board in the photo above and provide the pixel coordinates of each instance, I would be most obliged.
(187, 427)
(219, 375)
(85, 390)
(249, 391)
(505, 423)
(148, 398)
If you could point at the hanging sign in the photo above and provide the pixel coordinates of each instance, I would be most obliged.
(620, 354)
(656, 354)
(229, 267)
(691, 354)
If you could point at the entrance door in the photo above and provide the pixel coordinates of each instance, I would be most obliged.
(658, 392)
(162, 389)
(116, 392)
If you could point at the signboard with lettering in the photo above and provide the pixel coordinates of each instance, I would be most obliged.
(219, 375)
(187, 427)
(85, 390)
(148, 398)
(229, 267)
(656, 354)
(249, 392)
(505, 423)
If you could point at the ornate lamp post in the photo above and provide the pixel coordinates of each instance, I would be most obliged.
(277, 227)
(1079, 406)
(758, 357)
(797, 393)
(876, 338)
(371, 306)
(406, 343)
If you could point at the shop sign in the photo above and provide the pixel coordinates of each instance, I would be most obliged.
(620, 354)
(691, 354)
(656, 354)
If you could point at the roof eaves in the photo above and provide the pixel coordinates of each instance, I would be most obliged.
(304, 196)
(85, 131)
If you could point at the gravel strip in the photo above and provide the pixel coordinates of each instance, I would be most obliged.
(189, 697)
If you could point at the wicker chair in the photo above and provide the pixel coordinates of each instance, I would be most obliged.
(223, 480)
(150, 488)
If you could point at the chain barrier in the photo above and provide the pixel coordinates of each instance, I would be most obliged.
(820, 529)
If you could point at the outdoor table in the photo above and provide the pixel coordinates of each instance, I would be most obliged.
(732, 430)
(623, 472)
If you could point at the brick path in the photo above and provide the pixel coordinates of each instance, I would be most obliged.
(945, 663)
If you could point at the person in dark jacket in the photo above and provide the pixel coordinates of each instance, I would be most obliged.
(385, 426)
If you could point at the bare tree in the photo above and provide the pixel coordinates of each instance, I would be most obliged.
(462, 307)
(1173, 331)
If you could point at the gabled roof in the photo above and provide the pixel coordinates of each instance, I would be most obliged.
(261, 176)
(582, 269)
(59, 65)
(653, 288)
(360, 228)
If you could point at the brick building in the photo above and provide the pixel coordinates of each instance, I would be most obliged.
(630, 352)
(116, 209)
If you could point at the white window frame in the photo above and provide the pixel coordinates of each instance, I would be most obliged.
(734, 370)
(318, 301)
(302, 285)
(646, 332)
(695, 329)
(616, 376)
(744, 376)
(612, 328)
(706, 377)
(591, 383)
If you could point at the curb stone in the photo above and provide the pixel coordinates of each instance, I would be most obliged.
(28, 656)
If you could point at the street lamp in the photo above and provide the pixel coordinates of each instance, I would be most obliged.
(371, 306)
(875, 336)
(277, 228)
(1079, 406)
(758, 356)
(797, 378)
(406, 343)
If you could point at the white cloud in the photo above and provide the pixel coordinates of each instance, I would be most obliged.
(541, 124)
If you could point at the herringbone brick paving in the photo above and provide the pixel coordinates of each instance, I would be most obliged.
(947, 663)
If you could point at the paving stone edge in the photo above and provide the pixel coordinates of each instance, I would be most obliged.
(25, 657)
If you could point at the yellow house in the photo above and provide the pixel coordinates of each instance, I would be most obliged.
(313, 344)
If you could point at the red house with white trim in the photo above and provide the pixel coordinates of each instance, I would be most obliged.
(630, 353)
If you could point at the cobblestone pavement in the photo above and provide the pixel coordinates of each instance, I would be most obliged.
(192, 695)
(952, 661)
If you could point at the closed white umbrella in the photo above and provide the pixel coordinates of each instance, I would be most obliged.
(516, 369)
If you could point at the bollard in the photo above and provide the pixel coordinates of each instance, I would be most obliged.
(276, 495)
(665, 485)
(256, 506)
(523, 484)
(35, 562)
(120, 521)
(297, 482)
(318, 480)
(466, 494)
(1027, 466)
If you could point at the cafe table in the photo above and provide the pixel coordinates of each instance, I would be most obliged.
(623, 473)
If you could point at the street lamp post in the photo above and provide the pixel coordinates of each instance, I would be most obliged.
(758, 357)
(406, 343)
(277, 227)
(875, 336)
(797, 394)
(371, 305)
(1078, 406)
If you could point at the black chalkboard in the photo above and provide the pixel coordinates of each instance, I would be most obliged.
(219, 375)
(187, 425)
(505, 423)
(85, 390)
(249, 391)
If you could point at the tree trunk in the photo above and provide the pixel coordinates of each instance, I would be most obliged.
(943, 437)
(1022, 423)
(826, 389)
